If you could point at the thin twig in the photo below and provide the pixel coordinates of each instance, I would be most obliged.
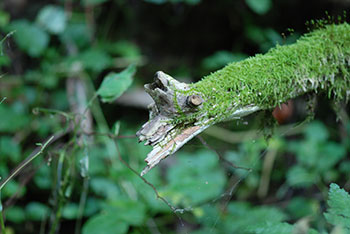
(221, 157)
(2, 223)
(173, 208)
(82, 203)
(35, 153)
(2, 100)
(108, 134)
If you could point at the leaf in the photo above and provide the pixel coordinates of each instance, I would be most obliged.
(29, 37)
(301, 207)
(104, 187)
(95, 59)
(4, 18)
(123, 48)
(116, 217)
(115, 84)
(12, 120)
(42, 177)
(195, 179)
(298, 176)
(36, 211)
(15, 214)
(70, 211)
(9, 147)
(128, 211)
(316, 131)
(273, 228)
(52, 18)
(338, 212)
(11, 188)
(105, 224)
(242, 217)
(260, 7)
(331, 153)
(77, 33)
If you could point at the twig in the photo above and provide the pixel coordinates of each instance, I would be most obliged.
(82, 203)
(173, 208)
(144, 180)
(241, 136)
(2, 223)
(266, 172)
(108, 134)
(39, 150)
(221, 157)
(2, 40)
(2, 100)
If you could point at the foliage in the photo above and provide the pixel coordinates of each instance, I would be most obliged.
(60, 63)
(338, 213)
(115, 84)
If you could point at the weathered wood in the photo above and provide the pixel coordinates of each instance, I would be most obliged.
(319, 62)
(160, 131)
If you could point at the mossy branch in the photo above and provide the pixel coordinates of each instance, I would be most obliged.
(319, 62)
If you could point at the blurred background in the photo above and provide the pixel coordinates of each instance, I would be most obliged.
(55, 55)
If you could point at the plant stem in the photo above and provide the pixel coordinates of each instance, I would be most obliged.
(2, 223)
(26, 162)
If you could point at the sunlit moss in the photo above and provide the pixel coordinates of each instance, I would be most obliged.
(318, 62)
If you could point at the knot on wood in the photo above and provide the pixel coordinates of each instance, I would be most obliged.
(194, 100)
(171, 99)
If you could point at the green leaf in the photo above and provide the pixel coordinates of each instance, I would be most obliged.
(36, 211)
(95, 59)
(29, 37)
(316, 131)
(105, 224)
(331, 153)
(70, 211)
(43, 178)
(52, 18)
(12, 119)
(128, 211)
(115, 84)
(338, 212)
(9, 147)
(259, 6)
(77, 33)
(195, 179)
(116, 217)
(301, 207)
(242, 217)
(104, 187)
(11, 188)
(4, 18)
(272, 228)
(15, 214)
(123, 48)
(298, 176)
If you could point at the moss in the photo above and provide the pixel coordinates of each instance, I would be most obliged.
(318, 62)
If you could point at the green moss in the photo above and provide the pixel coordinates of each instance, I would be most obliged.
(318, 62)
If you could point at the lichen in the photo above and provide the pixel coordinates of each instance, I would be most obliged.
(318, 62)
